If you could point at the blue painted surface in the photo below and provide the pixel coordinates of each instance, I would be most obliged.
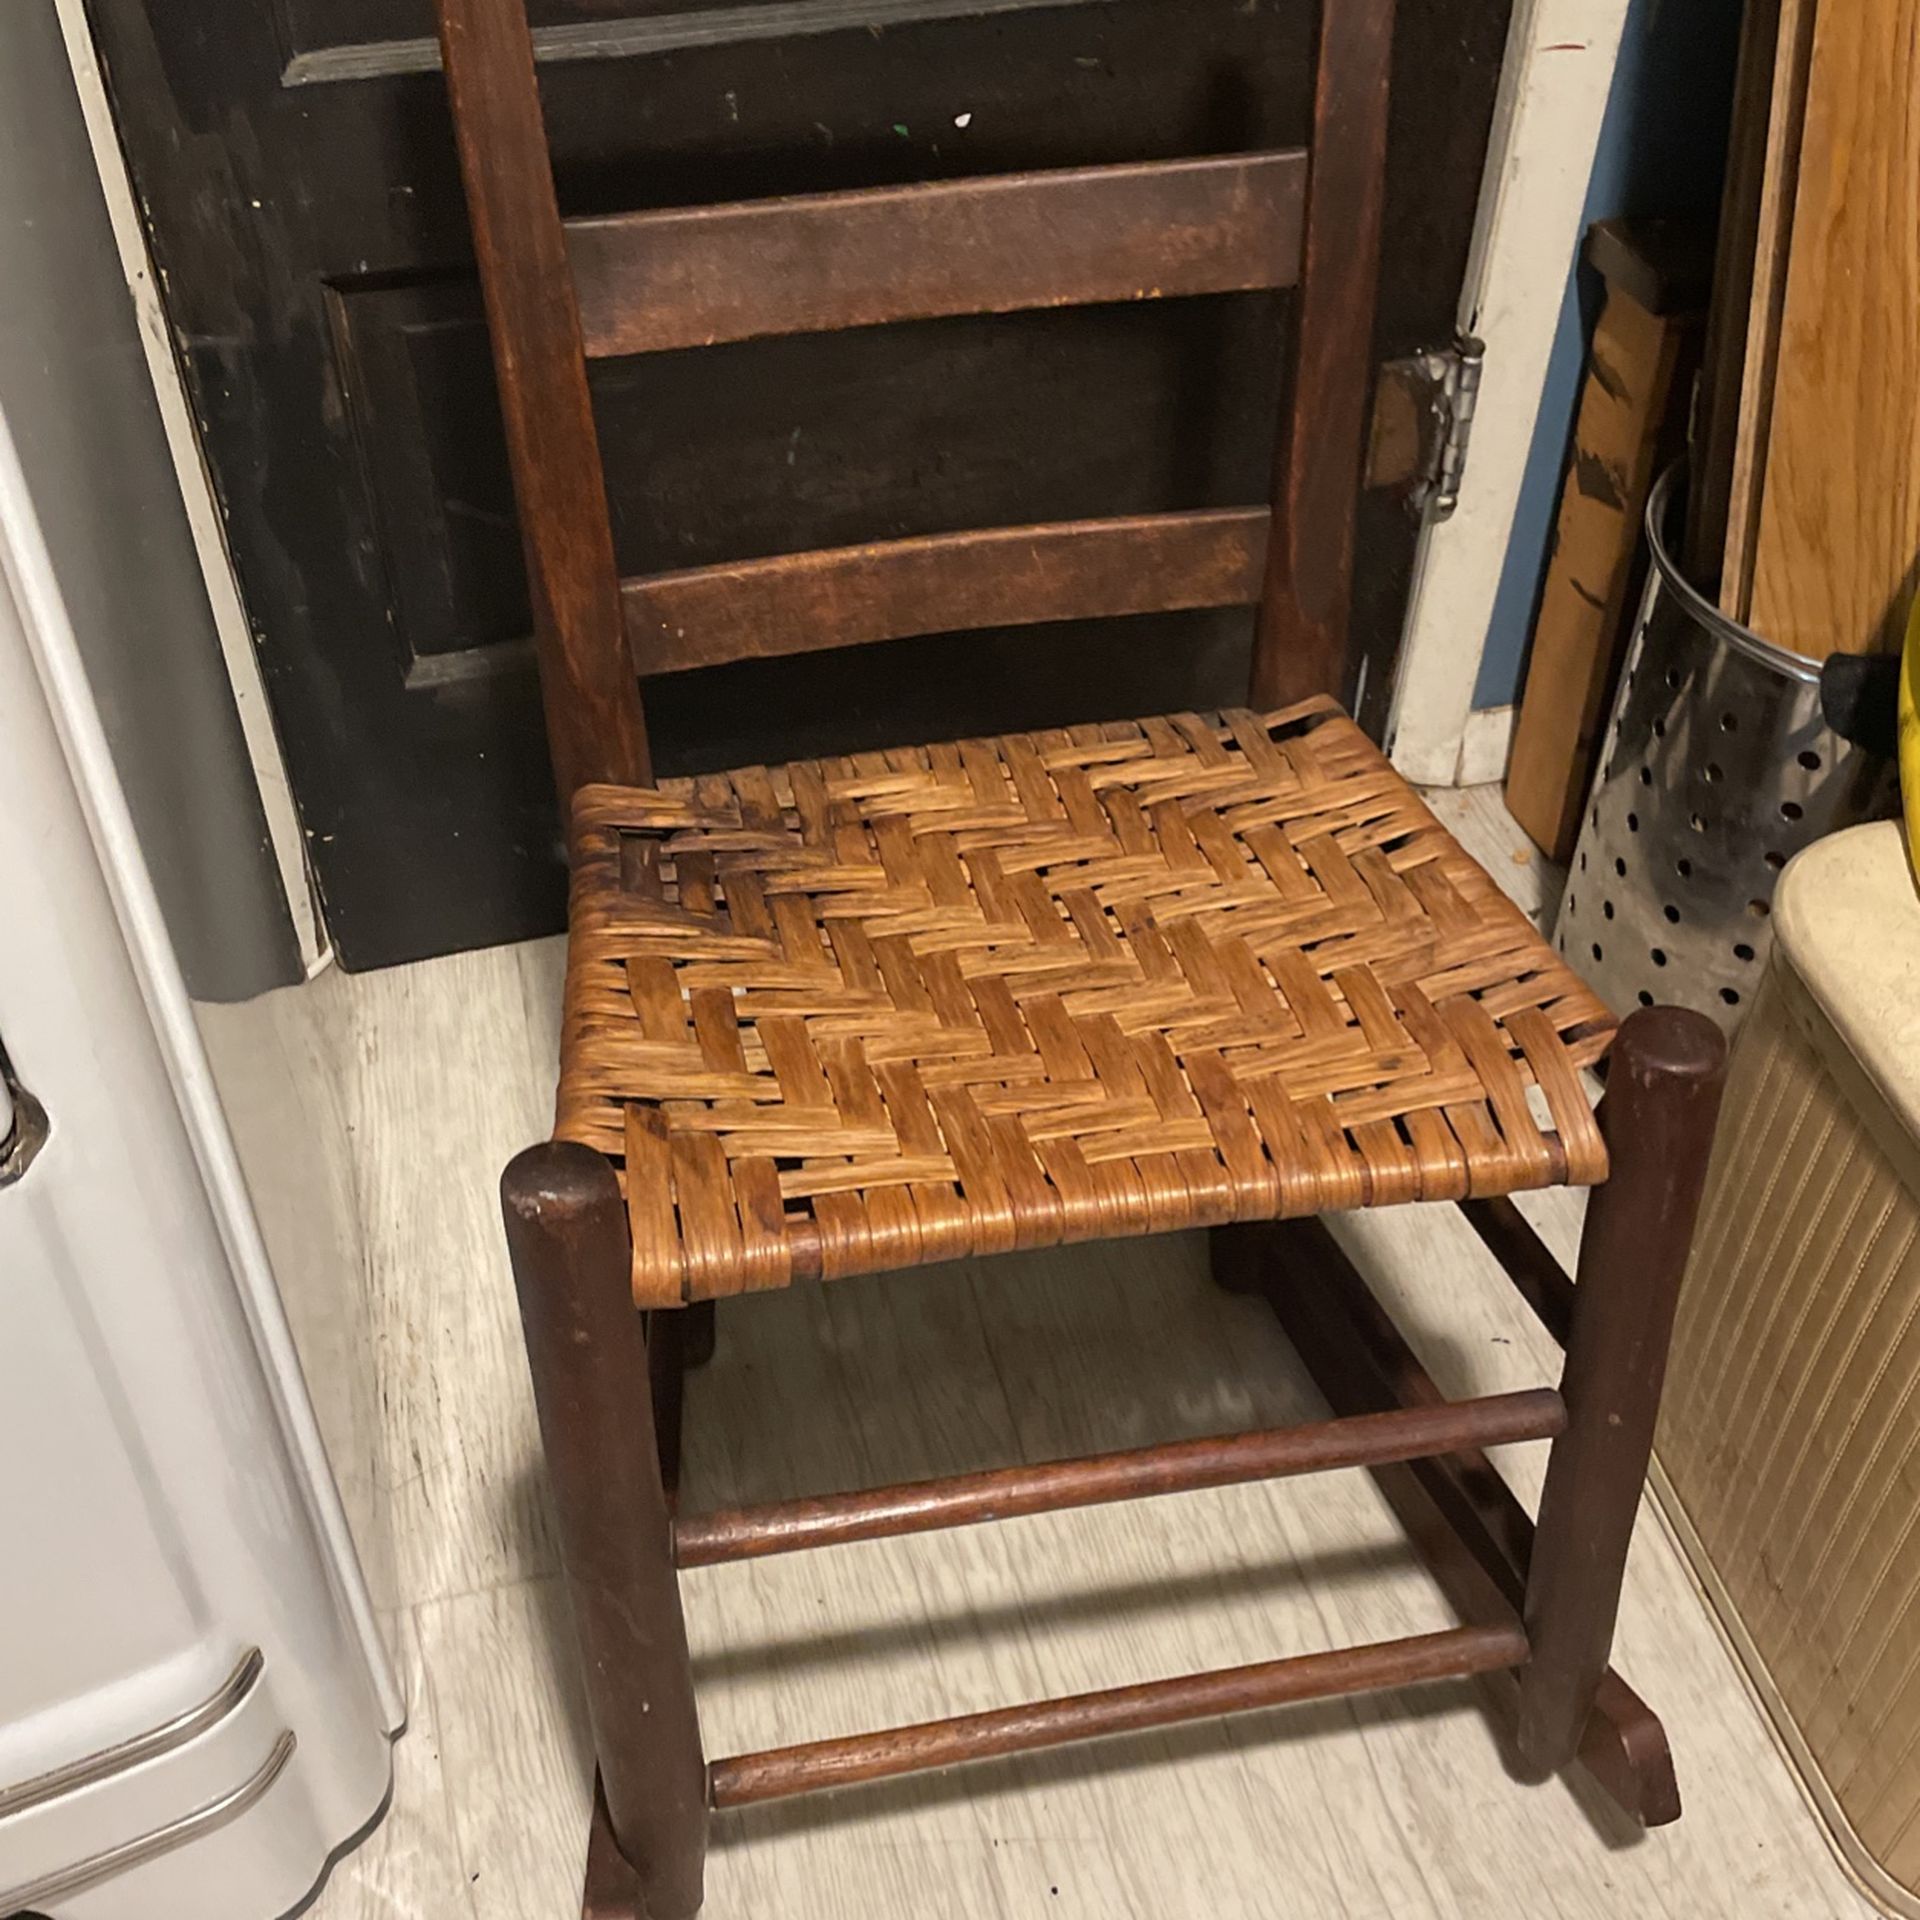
(1662, 150)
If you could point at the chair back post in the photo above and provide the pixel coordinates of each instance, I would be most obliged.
(1301, 642)
(595, 729)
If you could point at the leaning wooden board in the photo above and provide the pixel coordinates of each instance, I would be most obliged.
(1839, 530)
(1766, 292)
(1580, 632)
(1715, 440)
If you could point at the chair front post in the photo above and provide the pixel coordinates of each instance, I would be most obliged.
(567, 1232)
(1664, 1080)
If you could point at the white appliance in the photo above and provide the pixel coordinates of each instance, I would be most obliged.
(195, 1709)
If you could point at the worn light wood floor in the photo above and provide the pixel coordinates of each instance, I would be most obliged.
(430, 1076)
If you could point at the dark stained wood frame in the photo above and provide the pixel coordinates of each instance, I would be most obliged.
(1536, 1603)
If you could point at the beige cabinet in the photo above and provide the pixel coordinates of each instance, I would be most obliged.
(1790, 1448)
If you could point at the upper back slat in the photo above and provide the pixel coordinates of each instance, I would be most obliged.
(697, 276)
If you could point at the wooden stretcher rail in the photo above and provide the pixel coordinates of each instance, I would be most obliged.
(746, 1533)
(811, 263)
(824, 1764)
(1539, 1279)
(944, 583)
(1474, 1535)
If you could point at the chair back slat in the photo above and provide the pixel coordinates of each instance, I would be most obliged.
(645, 282)
(997, 577)
(813, 263)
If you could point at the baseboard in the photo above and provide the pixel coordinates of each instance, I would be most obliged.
(1484, 746)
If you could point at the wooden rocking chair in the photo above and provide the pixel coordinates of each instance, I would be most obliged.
(1219, 970)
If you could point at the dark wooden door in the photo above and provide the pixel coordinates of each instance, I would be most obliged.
(296, 166)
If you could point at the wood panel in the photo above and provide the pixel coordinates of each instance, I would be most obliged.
(1839, 531)
(1581, 630)
(998, 576)
(425, 417)
(1716, 434)
(697, 276)
(1773, 233)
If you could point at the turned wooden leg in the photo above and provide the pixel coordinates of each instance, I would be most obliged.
(567, 1231)
(1664, 1079)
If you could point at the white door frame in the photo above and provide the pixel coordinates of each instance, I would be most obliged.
(1553, 97)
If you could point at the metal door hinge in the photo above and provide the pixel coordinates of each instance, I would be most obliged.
(1422, 420)
(23, 1125)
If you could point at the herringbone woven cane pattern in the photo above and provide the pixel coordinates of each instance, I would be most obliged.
(858, 1014)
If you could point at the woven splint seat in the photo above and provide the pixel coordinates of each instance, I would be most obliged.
(866, 1013)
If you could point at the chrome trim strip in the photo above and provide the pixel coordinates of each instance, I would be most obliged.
(28, 1133)
(229, 1698)
(136, 1852)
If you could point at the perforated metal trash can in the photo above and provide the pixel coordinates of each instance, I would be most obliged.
(1717, 769)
